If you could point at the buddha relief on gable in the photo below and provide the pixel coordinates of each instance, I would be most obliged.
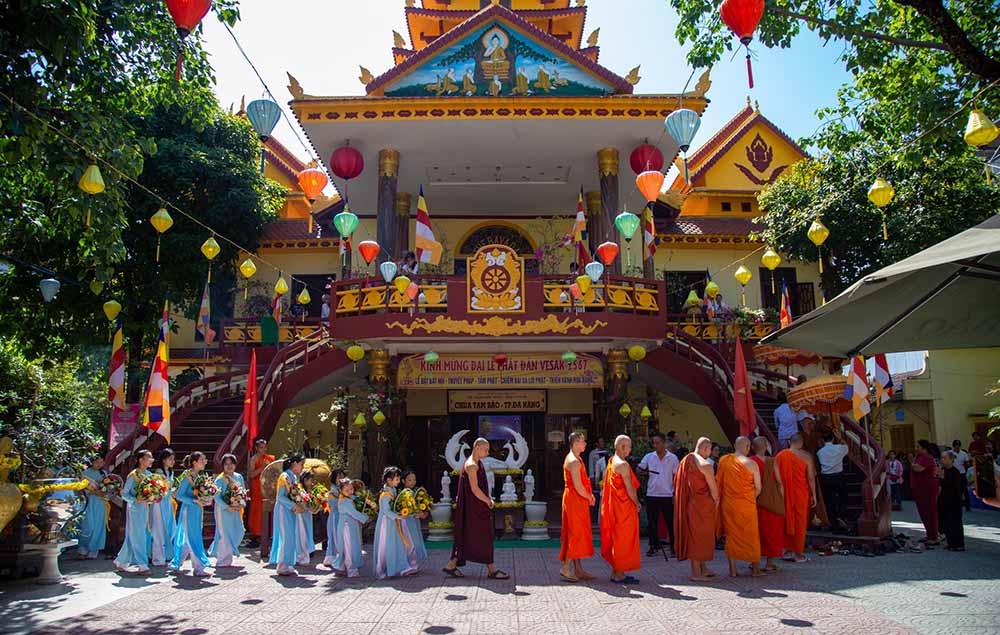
(760, 155)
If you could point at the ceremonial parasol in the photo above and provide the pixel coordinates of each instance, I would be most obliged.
(776, 355)
(821, 395)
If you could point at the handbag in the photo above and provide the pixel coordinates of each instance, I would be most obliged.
(770, 498)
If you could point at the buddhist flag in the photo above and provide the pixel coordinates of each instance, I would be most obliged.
(250, 403)
(156, 409)
(857, 388)
(785, 315)
(578, 233)
(428, 248)
(116, 369)
(883, 380)
(649, 232)
(743, 408)
(205, 313)
(276, 308)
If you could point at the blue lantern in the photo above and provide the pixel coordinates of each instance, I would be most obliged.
(263, 115)
(682, 125)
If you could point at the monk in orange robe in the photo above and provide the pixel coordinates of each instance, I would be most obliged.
(696, 499)
(739, 485)
(577, 540)
(620, 514)
(257, 462)
(798, 475)
(770, 505)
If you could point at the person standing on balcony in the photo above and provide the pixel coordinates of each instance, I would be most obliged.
(409, 266)
(257, 462)
(660, 465)
(831, 480)
(962, 464)
(324, 310)
(950, 501)
(925, 488)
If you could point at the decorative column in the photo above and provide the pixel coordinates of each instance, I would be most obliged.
(378, 365)
(404, 201)
(607, 164)
(388, 177)
(616, 361)
(594, 217)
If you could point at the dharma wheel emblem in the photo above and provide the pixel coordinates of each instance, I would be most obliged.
(496, 280)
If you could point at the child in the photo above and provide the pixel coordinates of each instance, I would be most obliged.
(332, 501)
(164, 525)
(189, 541)
(393, 549)
(306, 540)
(135, 550)
(94, 526)
(285, 533)
(228, 518)
(412, 522)
(348, 558)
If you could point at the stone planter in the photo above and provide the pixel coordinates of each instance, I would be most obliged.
(440, 529)
(535, 525)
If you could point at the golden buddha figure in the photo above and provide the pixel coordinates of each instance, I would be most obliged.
(494, 61)
(521, 84)
(469, 84)
(542, 82)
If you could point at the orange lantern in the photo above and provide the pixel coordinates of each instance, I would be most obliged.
(368, 250)
(650, 183)
(312, 181)
(607, 252)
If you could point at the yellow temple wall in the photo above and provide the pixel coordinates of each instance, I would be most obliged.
(724, 175)
(689, 420)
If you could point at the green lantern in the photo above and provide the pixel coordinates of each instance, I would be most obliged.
(569, 357)
(431, 357)
(627, 223)
(346, 222)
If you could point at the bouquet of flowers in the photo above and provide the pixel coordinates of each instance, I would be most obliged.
(364, 501)
(236, 495)
(204, 487)
(405, 503)
(111, 485)
(424, 500)
(152, 489)
(318, 499)
(299, 496)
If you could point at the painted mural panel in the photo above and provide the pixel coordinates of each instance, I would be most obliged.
(497, 60)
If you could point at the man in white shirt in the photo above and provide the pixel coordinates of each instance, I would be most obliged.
(962, 462)
(661, 465)
(597, 459)
(787, 420)
(831, 480)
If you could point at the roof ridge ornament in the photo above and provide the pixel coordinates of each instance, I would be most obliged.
(633, 76)
(397, 40)
(592, 38)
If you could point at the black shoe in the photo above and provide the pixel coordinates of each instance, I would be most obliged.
(652, 551)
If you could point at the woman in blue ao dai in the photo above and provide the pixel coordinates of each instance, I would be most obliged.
(306, 541)
(189, 542)
(164, 523)
(349, 557)
(94, 526)
(285, 530)
(138, 540)
(393, 549)
(412, 522)
(228, 518)
(332, 501)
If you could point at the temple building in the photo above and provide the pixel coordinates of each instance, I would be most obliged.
(503, 115)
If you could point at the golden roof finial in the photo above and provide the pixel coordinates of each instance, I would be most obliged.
(592, 39)
(748, 101)
(294, 87)
(581, 3)
(410, 3)
(633, 76)
(366, 76)
(756, 106)
(243, 103)
(397, 40)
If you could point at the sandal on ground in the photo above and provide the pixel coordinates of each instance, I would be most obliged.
(568, 578)
(455, 573)
(629, 580)
(498, 575)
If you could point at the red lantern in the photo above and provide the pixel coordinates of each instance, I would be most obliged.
(500, 359)
(368, 250)
(650, 183)
(742, 18)
(186, 14)
(607, 252)
(312, 181)
(646, 157)
(346, 162)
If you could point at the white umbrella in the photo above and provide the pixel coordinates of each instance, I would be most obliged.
(946, 296)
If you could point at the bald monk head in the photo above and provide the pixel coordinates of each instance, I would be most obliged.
(795, 441)
(623, 446)
(742, 446)
(760, 446)
(703, 447)
(480, 448)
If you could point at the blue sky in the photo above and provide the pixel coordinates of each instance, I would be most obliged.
(322, 43)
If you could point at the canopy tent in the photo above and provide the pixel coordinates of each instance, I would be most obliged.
(946, 296)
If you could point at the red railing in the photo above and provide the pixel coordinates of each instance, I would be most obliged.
(870, 458)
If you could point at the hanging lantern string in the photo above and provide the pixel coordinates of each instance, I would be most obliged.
(125, 177)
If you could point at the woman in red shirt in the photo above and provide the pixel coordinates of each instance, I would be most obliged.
(925, 488)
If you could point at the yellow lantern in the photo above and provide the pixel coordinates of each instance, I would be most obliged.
(636, 353)
(980, 130)
(712, 289)
(92, 182)
(360, 420)
(96, 286)
(112, 309)
(304, 297)
(584, 283)
(248, 269)
(402, 283)
(771, 259)
(161, 222)
(378, 418)
(743, 276)
(646, 413)
(881, 194)
(818, 233)
(281, 287)
(355, 353)
(625, 410)
(692, 299)
(210, 248)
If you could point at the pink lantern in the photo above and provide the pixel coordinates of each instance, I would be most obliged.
(346, 162)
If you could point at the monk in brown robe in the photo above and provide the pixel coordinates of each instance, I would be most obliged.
(798, 475)
(620, 514)
(474, 517)
(696, 499)
(577, 541)
(770, 505)
(739, 485)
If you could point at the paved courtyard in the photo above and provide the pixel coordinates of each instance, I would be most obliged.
(935, 592)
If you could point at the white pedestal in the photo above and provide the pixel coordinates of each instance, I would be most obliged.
(534, 512)
(49, 552)
(440, 515)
